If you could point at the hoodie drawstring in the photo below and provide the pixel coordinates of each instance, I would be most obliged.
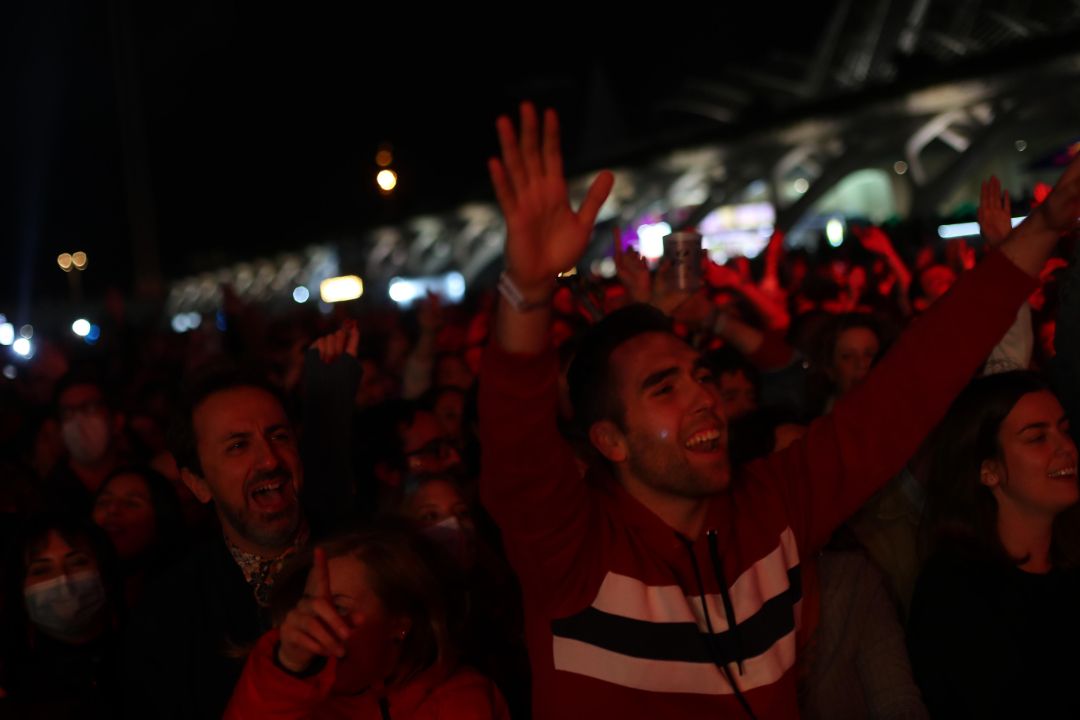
(725, 596)
(708, 619)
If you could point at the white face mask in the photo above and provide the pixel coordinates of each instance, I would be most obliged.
(66, 606)
(86, 437)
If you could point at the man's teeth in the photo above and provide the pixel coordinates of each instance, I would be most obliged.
(1064, 472)
(266, 487)
(703, 439)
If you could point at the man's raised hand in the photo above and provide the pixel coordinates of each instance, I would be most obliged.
(545, 236)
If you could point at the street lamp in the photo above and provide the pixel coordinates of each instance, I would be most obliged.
(69, 262)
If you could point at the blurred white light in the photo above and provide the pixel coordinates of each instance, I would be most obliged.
(651, 239)
(404, 291)
(745, 216)
(1021, 145)
(800, 185)
(180, 323)
(81, 327)
(450, 287)
(300, 294)
(834, 231)
(340, 289)
(968, 229)
(899, 167)
(7, 333)
(26, 331)
(605, 268)
(194, 320)
(455, 286)
(387, 180)
(958, 230)
(22, 347)
(9, 372)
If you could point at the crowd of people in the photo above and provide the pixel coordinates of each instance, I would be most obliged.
(828, 485)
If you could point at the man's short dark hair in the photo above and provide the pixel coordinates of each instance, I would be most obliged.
(593, 392)
(182, 441)
(82, 376)
(729, 361)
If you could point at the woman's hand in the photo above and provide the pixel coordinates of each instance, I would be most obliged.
(313, 628)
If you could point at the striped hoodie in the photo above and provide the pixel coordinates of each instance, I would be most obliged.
(627, 619)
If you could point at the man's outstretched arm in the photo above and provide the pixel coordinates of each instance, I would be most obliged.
(846, 456)
(530, 480)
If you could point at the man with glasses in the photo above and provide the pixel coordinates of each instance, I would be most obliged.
(90, 430)
(427, 448)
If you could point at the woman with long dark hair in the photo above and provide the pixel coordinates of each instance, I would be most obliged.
(139, 510)
(994, 621)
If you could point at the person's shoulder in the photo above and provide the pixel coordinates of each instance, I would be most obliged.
(852, 566)
(466, 676)
(467, 693)
(189, 575)
(203, 557)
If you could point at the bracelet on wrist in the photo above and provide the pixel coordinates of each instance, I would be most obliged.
(513, 295)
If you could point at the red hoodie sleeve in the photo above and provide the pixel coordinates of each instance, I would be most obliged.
(266, 692)
(530, 481)
(849, 454)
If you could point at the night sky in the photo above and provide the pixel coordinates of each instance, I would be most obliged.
(261, 125)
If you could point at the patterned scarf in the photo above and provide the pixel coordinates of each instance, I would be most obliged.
(260, 572)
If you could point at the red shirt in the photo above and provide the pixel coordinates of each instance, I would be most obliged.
(266, 692)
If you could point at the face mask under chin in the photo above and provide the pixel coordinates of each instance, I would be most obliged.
(86, 438)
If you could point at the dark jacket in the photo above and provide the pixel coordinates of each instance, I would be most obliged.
(185, 648)
(58, 680)
(989, 640)
(187, 642)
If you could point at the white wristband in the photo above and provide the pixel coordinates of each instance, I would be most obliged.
(513, 295)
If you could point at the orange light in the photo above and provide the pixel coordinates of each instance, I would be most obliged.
(387, 180)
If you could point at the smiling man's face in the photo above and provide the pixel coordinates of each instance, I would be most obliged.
(673, 435)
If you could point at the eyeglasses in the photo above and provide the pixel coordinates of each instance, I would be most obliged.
(89, 407)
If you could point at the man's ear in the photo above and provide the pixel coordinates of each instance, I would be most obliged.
(197, 485)
(609, 441)
(990, 473)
